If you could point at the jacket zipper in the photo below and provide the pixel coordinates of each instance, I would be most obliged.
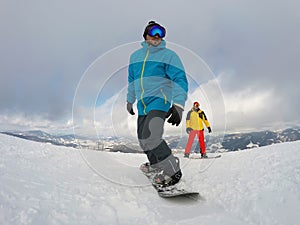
(165, 97)
(141, 80)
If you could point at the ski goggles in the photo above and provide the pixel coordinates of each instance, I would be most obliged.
(156, 30)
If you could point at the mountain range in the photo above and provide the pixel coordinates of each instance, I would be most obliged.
(228, 142)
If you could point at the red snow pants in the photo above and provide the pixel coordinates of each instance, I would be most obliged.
(193, 133)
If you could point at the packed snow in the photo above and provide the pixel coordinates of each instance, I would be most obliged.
(46, 184)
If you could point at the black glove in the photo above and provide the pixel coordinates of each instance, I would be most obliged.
(209, 130)
(188, 130)
(176, 115)
(129, 108)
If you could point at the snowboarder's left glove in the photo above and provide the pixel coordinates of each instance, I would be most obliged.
(176, 114)
(209, 130)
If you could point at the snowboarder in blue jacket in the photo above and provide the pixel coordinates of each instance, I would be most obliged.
(157, 81)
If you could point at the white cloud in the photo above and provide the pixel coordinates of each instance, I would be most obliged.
(251, 107)
(50, 46)
(19, 121)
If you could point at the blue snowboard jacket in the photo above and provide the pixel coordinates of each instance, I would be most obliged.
(156, 79)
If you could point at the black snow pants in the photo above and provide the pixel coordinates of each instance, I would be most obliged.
(150, 129)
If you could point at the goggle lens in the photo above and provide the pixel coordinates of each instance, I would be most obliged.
(157, 30)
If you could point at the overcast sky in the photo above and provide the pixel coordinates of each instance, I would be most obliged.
(46, 47)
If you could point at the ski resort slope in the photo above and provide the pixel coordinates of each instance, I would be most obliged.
(46, 184)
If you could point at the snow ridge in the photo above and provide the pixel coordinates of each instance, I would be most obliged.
(46, 184)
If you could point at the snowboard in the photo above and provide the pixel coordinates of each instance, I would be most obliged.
(171, 191)
(209, 157)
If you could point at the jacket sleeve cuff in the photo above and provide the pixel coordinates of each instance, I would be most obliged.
(180, 106)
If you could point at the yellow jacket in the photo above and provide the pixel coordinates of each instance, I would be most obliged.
(195, 119)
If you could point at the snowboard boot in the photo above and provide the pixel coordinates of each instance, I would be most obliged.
(149, 170)
(169, 177)
(204, 155)
(162, 180)
(186, 155)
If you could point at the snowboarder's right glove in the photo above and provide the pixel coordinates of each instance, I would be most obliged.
(176, 114)
(188, 130)
(130, 109)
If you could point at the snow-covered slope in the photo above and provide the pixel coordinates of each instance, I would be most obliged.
(45, 184)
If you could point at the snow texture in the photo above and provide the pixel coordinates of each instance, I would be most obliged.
(45, 184)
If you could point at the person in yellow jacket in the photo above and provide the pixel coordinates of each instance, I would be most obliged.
(194, 126)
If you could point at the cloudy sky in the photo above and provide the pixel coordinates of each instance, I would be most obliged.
(49, 49)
